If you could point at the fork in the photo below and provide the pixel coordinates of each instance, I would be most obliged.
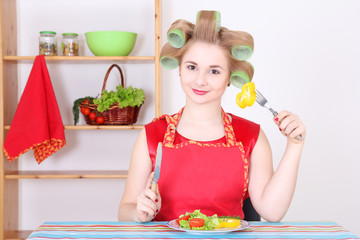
(262, 101)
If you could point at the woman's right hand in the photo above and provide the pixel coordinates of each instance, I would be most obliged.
(148, 203)
(291, 126)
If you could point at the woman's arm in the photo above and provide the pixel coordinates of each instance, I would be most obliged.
(139, 203)
(271, 192)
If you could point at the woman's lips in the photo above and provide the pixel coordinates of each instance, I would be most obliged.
(198, 92)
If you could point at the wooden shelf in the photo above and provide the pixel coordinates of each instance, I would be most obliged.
(10, 173)
(17, 235)
(89, 174)
(83, 58)
(110, 127)
(94, 127)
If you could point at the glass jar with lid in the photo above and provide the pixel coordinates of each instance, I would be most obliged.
(70, 44)
(48, 43)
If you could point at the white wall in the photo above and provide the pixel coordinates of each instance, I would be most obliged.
(305, 59)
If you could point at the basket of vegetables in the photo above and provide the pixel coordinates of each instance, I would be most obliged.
(120, 107)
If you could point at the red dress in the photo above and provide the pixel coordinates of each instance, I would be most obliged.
(211, 176)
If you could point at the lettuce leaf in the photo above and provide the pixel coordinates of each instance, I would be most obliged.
(124, 96)
(210, 222)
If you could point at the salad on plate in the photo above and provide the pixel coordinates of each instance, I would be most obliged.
(199, 221)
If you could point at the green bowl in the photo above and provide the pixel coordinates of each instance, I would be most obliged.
(110, 43)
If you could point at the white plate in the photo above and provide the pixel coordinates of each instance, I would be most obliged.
(243, 225)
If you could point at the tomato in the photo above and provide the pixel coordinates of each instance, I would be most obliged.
(196, 222)
(92, 115)
(100, 120)
(182, 218)
(86, 102)
(86, 111)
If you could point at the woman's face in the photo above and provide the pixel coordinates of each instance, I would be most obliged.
(204, 73)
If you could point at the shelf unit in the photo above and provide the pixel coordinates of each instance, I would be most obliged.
(10, 175)
(92, 127)
(82, 58)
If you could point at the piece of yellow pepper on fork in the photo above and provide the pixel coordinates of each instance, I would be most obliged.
(247, 96)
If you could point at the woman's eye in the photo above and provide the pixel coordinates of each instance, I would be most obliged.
(191, 67)
(214, 71)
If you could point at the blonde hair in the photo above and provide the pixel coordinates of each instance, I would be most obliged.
(207, 29)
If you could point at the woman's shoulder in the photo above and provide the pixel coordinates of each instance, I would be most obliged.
(242, 122)
(157, 124)
(155, 131)
(245, 131)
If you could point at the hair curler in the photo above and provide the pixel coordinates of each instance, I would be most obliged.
(169, 62)
(176, 38)
(239, 78)
(217, 18)
(241, 52)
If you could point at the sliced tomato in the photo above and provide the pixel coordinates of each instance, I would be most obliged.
(196, 222)
(186, 217)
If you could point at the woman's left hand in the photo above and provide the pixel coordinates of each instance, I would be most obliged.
(291, 126)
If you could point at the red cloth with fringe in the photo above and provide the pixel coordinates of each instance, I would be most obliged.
(37, 122)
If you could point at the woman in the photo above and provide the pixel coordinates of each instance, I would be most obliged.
(211, 160)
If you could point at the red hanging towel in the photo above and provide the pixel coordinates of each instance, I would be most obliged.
(37, 122)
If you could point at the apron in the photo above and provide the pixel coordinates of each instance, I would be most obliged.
(200, 175)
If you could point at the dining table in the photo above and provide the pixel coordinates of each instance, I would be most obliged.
(87, 230)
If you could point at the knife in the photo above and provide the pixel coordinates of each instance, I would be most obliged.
(157, 168)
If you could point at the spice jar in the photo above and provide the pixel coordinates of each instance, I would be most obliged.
(47, 43)
(70, 44)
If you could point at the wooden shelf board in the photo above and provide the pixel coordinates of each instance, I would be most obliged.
(94, 127)
(89, 174)
(17, 235)
(110, 127)
(83, 58)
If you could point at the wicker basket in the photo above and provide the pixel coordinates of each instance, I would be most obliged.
(114, 115)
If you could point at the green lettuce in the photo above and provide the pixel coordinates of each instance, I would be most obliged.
(124, 96)
(210, 221)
